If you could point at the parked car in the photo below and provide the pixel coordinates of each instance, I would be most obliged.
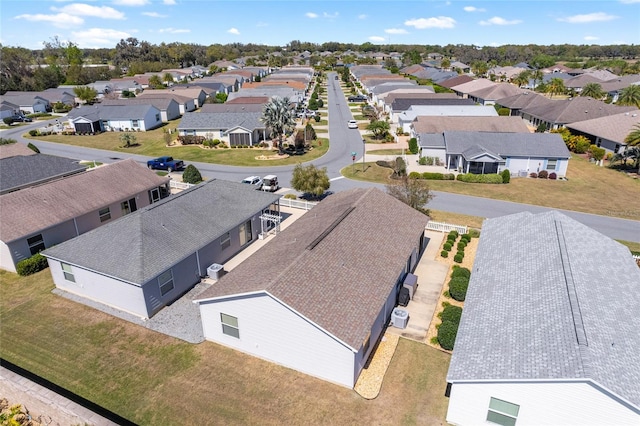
(357, 98)
(352, 124)
(21, 118)
(253, 180)
(165, 163)
(270, 183)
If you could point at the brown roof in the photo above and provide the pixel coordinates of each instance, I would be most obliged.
(455, 81)
(499, 91)
(249, 100)
(573, 110)
(336, 265)
(514, 124)
(473, 85)
(289, 83)
(232, 107)
(523, 100)
(15, 149)
(55, 202)
(612, 127)
(407, 94)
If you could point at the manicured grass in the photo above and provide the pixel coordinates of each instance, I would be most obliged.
(153, 379)
(589, 189)
(456, 218)
(633, 246)
(385, 152)
(152, 144)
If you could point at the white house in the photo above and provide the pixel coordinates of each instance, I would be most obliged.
(318, 297)
(105, 118)
(233, 128)
(549, 330)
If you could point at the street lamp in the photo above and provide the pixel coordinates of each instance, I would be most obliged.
(363, 153)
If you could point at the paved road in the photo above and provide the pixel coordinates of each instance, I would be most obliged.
(344, 141)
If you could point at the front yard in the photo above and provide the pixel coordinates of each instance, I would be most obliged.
(152, 379)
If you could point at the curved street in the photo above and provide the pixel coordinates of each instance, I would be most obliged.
(344, 141)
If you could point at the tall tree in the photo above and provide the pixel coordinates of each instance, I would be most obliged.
(522, 78)
(310, 180)
(630, 96)
(555, 87)
(633, 138)
(413, 192)
(155, 82)
(379, 128)
(278, 117)
(85, 93)
(593, 90)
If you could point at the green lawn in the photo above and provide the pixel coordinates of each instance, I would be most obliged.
(386, 152)
(154, 379)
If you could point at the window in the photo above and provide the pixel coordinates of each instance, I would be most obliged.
(225, 241)
(230, 325)
(551, 163)
(134, 124)
(245, 233)
(128, 206)
(165, 281)
(154, 195)
(105, 214)
(502, 412)
(68, 273)
(157, 117)
(36, 244)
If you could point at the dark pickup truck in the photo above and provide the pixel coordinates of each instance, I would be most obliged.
(357, 98)
(165, 163)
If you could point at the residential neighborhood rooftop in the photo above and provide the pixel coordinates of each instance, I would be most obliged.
(28, 170)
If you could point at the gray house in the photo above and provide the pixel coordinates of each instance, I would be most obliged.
(318, 297)
(169, 246)
(169, 108)
(542, 341)
(22, 171)
(65, 208)
(608, 132)
(233, 128)
(104, 118)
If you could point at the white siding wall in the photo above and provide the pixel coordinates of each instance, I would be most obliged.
(6, 261)
(532, 164)
(434, 152)
(126, 297)
(540, 404)
(272, 331)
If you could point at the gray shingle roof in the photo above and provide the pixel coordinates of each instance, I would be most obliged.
(519, 321)
(160, 235)
(220, 120)
(342, 282)
(112, 112)
(426, 124)
(508, 144)
(573, 110)
(403, 104)
(613, 127)
(27, 170)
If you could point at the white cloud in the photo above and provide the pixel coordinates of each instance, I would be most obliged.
(131, 2)
(496, 20)
(311, 15)
(363, 16)
(233, 31)
(396, 31)
(433, 22)
(154, 15)
(473, 9)
(591, 38)
(377, 39)
(329, 15)
(81, 9)
(60, 20)
(169, 2)
(588, 18)
(171, 30)
(99, 37)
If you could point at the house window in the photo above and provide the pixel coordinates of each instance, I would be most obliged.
(129, 206)
(225, 240)
(551, 163)
(157, 117)
(165, 281)
(230, 325)
(502, 412)
(245, 233)
(36, 244)
(134, 124)
(105, 214)
(68, 273)
(154, 195)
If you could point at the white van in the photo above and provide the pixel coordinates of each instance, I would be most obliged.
(270, 183)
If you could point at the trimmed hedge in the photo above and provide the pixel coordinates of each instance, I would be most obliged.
(447, 335)
(452, 314)
(472, 178)
(458, 258)
(466, 237)
(454, 233)
(462, 244)
(35, 263)
(414, 175)
(506, 176)
(460, 272)
(447, 246)
(458, 288)
(437, 176)
(444, 253)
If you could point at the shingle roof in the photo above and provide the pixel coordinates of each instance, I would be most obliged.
(573, 110)
(500, 90)
(160, 103)
(221, 120)
(455, 81)
(508, 144)
(113, 112)
(472, 85)
(523, 100)
(232, 107)
(612, 127)
(162, 234)
(552, 299)
(28, 170)
(513, 124)
(341, 282)
(403, 104)
(13, 149)
(64, 199)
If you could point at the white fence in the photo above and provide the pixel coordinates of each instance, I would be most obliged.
(297, 204)
(179, 185)
(446, 227)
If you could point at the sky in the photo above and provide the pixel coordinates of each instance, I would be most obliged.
(103, 23)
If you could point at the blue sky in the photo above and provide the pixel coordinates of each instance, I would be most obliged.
(96, 23)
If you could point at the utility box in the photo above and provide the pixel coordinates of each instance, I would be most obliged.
(215, 271)
(411, 283)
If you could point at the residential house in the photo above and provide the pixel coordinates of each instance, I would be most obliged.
(402, 105)
(28, 102)
(614, 86)
(195, 93)
(330, 281)
(232, 128)
(490, 95)
(65, 208)
(15, 149)
(185, 103)
(8, 109)
(464, 89)
(455, 81)
(541, 340)
(491, 152)
(385, 100)
(608, 132)
(434, 113)
(22, 171)
(169, 247)
(168, 107)
(104, 118)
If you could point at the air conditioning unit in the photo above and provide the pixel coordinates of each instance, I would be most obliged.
(399, 318)
(215, 271)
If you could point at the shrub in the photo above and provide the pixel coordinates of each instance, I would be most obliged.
(466, 236)
(543, 174)
(33, 132)
(434, 340)
(553, 176)
(451, 314)
(533, 175)
(429, 161)
(33, 148)
(432, 176)
(462, 244)
(472, 178)
(444, 253)
(447, 246)
(454, 233)
(191, 175)
(474, 233)
(290, 196)
(191, 140)
(460, 272)
(422, 161)
(460, 252)
(506, 176)
(413, 145)
(414, 175)
(447, 335)
(458, 288)
(8, 121)
(31, 265)
(449, 176)
(458, 258)
(386, 164)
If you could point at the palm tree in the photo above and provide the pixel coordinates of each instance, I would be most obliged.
(537, 77)
(277, 116)
(630, 96)
(522, 78)
(633, 138)
(593, 90)
(555, 87)
(167, 78)
(155, 82)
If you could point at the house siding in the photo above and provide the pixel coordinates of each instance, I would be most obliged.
(541, 403)
(531, 165)
(270, 330)
(19, 249)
